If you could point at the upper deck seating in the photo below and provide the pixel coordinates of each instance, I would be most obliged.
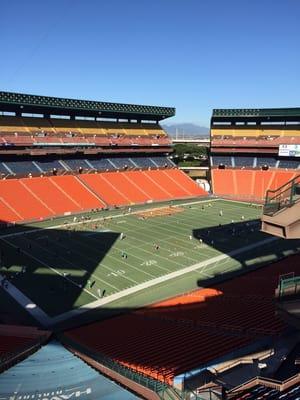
(21, 167)
(61, 125)
(75, 164)
(49, 165)
(38, 166)
(101, 164)
(270, 161)
(290, 164)
(243, 161)
(264, 133)
(12, 125)
(121, 162)
(162, 161)
(142, 162)
(219, 160)
(34, 126)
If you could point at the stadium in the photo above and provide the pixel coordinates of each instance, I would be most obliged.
(121, 278)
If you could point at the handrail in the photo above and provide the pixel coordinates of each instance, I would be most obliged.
(283, 385)
(282, 186)
(282, 197)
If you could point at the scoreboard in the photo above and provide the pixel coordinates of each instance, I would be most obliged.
(289, 150)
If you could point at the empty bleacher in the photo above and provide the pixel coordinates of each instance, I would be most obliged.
(221, 160)
(40, 165)
(58, 126)
(155, 347)
(121, 162)
(21, 167)
(34, 198)
(213, 322)
(290, 164)
(16, 340)
(250, 185)
(210, 322)
(240, 161)
(270, 161)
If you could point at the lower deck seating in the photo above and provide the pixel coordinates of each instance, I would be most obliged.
(42, 197)
(192, 330)
(248, 185)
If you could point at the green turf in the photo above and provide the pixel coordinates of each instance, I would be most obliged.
(93, 254)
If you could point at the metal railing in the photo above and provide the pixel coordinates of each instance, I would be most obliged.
(283, 197)
(288, 287)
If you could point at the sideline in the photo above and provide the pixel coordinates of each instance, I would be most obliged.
(98, 219)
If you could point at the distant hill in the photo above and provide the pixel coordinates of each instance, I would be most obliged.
(186, 129)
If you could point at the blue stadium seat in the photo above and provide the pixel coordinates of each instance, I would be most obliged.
(270, 161)
(3, 170)
(218, 160)
(121, 162)
(142, 162)
(75, 164)
(243, 161)
(101, 164)
(162, 161)
(291, 164)
(22, 167)
(49, 165)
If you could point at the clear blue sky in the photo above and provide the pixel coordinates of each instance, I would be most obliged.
(192, 54)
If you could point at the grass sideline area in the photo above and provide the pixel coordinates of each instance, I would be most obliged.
(68, 263)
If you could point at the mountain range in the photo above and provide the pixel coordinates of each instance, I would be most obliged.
(186, 129)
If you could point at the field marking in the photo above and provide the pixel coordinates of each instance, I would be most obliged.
(48, 266)
(71, 263)
(156, 281)
(93, 260)
(102, 218)
(106, 255)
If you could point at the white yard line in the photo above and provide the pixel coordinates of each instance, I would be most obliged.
(46, 320)
(48, 266)
(156, 281)
(100, 219)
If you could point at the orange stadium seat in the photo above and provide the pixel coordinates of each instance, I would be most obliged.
(23, 201)
(42, 197)
(52, 195)
(166, 182)
(150, 187)
(248, 184)
(7, 213)
(223, 183)
(78, 191)
(100, 184)
(213, 322)
(185, 182)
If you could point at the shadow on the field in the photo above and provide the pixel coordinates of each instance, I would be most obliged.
(53, 267)
(244, 234)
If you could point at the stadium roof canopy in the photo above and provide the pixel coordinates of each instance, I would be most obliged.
(27, 103)
(256, 114)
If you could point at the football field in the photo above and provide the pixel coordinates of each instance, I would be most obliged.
(128, 258)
